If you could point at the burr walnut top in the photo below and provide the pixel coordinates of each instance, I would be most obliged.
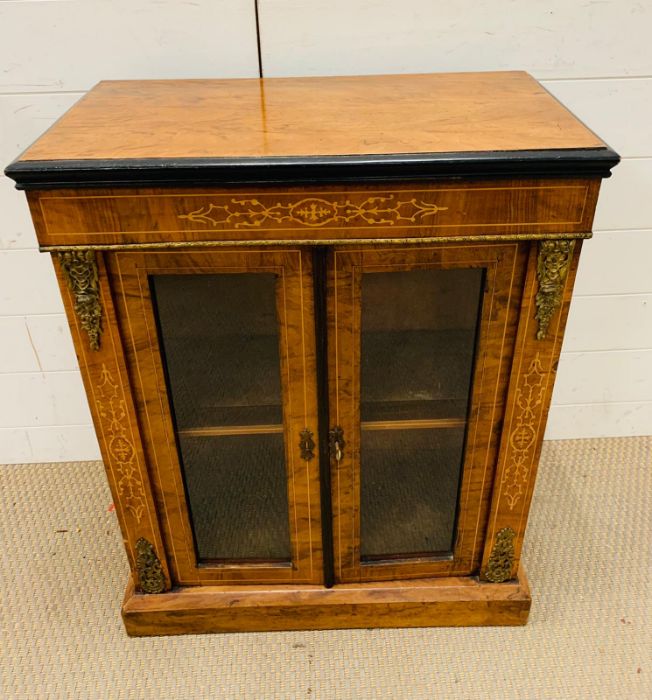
(363, 121)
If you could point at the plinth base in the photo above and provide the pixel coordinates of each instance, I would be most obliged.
(442, 602)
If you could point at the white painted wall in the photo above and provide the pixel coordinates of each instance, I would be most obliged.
(51, 52)
(593, 56)
(596, 58)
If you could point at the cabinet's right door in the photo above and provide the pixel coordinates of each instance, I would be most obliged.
(420, 343)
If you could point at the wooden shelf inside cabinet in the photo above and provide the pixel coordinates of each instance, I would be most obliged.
(318, 321)
(225, 430)
(413, 410)
(417, 424)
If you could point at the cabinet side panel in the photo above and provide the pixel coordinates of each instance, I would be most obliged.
(546, 301)
(109, 395)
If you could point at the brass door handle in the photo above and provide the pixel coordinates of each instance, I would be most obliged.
(336, 443)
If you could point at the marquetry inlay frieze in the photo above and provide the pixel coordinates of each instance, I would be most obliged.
(314, 212)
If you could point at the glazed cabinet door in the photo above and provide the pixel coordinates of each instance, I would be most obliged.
(420, 341)
(221, 354)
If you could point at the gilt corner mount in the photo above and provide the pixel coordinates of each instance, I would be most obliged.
(553, 262)
(79, 268)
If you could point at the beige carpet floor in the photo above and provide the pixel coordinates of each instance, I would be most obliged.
(589, 559)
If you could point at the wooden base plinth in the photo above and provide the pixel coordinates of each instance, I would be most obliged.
(443, 602)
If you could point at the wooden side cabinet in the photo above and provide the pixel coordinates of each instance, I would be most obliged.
(318, 322)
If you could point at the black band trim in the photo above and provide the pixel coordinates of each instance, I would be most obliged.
(301, 170)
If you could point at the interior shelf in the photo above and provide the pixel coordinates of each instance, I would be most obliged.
(228, 430)
(441, 423)
(225, 430)
(419, 373)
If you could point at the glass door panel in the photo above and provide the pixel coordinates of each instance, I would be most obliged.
(220, 343)
(417, 343)
(409, 480)
(237, 493)
(415, 403)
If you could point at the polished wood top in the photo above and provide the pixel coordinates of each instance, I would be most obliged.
(277, 117)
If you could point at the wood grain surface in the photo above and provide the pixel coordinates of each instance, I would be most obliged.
(443, 602)
(392, 114)
(106, 380)
(462, 208)
(504, 266)
(129, 272)
(528, 400)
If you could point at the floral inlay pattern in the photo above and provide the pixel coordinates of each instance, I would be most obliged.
(112, 409)
(314, 212)
(522, 439)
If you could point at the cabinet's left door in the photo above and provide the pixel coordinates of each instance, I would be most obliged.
(221, 353)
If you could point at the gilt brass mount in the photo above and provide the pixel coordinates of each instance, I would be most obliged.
(80, 270)
(552, 268)
(150, 573)
(500, 563)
